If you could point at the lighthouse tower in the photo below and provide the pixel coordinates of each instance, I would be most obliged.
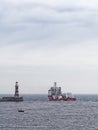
(16, 90)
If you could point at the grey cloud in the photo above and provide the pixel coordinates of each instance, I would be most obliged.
(37, 23)
(40, 13)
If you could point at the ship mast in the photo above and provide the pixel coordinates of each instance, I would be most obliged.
(55, 84)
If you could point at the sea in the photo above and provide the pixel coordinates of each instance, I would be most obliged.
(42, 114)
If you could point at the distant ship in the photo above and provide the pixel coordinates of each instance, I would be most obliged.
(55, 94)
(15, 98)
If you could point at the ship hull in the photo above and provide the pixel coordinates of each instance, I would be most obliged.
(61, 99)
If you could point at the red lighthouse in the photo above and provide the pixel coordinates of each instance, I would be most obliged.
(16, 90)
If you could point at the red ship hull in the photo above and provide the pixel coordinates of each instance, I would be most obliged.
(61, 99)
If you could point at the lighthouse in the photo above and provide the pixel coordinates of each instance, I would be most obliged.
(16, 90)
(15, 98)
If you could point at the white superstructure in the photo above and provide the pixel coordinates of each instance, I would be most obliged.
(55, 91)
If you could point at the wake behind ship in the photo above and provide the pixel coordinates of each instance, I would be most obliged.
(55, 94)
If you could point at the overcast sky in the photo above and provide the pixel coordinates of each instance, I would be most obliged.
(43, 41)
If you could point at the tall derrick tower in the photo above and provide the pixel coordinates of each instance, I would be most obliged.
(16, 90)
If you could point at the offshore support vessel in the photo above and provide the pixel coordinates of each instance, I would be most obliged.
(55, 94)
(15, 98)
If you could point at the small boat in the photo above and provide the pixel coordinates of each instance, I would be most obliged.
(20, 110)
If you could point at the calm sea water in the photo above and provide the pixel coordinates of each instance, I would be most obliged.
(41, 114)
